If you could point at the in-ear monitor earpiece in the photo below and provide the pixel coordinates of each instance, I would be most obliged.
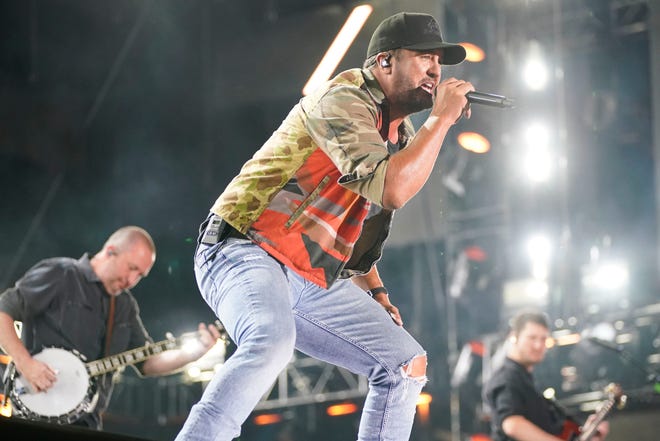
(385, 62)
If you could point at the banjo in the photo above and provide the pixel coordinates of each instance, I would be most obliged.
(74, 392)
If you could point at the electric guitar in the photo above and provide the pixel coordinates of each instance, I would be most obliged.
(574, 432)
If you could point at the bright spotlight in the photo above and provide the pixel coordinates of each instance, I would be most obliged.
(267, 419)
(338, 48)
(539, 250)
(524, 293)
(424, 406)
(535, 72)
(549, 393)
(342, 409)
(537, 289)
(539, 247)
(537, 162)
(5, 409)
(537, 165)
(424, 398)
(610, 276)
(474, 142)
(537, 134)
(473, 53)
(602, 331)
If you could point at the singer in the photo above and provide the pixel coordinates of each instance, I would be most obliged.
(287, 255)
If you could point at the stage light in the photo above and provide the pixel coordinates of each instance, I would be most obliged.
(537, 165)
(424, 398)
(480, 437)
(602, 331)
(474, 142)
(341, 409)
(549, 393)
(473, 53)
(608, 276)
(537, 134)
(535, 72)
(475, 253)
(525, 293)
(539, 250)
(423, 406)
(537, 161)
(568, 339)
(5, 408)
(266, 419)
(338, 48)
(537, 289)
(539, 247)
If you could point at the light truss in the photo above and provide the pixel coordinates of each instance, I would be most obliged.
(308, 381)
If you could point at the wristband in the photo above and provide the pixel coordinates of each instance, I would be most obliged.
(378, 290)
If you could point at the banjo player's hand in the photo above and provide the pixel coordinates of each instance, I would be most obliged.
(208, 335)
(39, 375)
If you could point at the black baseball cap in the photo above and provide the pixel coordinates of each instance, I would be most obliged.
(416, 31)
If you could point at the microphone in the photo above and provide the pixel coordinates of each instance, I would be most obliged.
(489, 99)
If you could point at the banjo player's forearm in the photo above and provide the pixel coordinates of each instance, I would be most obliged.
(166, 363)
(9, 341)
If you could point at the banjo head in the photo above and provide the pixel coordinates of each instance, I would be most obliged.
(68, 392)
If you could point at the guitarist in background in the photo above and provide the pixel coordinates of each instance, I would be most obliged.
(518, 411)
(66, 303)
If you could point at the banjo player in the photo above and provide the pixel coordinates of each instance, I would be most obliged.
(85, 306)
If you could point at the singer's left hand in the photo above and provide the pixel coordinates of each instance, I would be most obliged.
(392, 310)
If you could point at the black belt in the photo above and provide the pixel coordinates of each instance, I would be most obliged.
(214, 229)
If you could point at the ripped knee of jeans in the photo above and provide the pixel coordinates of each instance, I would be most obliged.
(415, 369)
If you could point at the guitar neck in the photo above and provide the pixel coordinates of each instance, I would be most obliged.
(589, 430)
(137, 355)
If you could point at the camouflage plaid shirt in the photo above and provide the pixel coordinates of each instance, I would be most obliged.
(305, 196)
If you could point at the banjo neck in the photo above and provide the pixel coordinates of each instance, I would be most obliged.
(74, 394)
(137, 355)
(130, 357)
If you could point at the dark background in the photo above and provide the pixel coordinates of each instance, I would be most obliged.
(141, 111)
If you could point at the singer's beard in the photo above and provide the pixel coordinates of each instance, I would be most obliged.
(412, 101)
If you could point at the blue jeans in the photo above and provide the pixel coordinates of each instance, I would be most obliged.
(268, 310)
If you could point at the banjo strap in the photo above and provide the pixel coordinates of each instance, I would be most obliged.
(108, 328)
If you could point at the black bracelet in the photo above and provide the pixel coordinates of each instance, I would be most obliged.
(378, 290)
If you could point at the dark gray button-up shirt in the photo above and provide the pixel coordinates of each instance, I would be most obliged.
(62, 303)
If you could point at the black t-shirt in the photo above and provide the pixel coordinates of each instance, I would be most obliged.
(62, 303)
(511, 391)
